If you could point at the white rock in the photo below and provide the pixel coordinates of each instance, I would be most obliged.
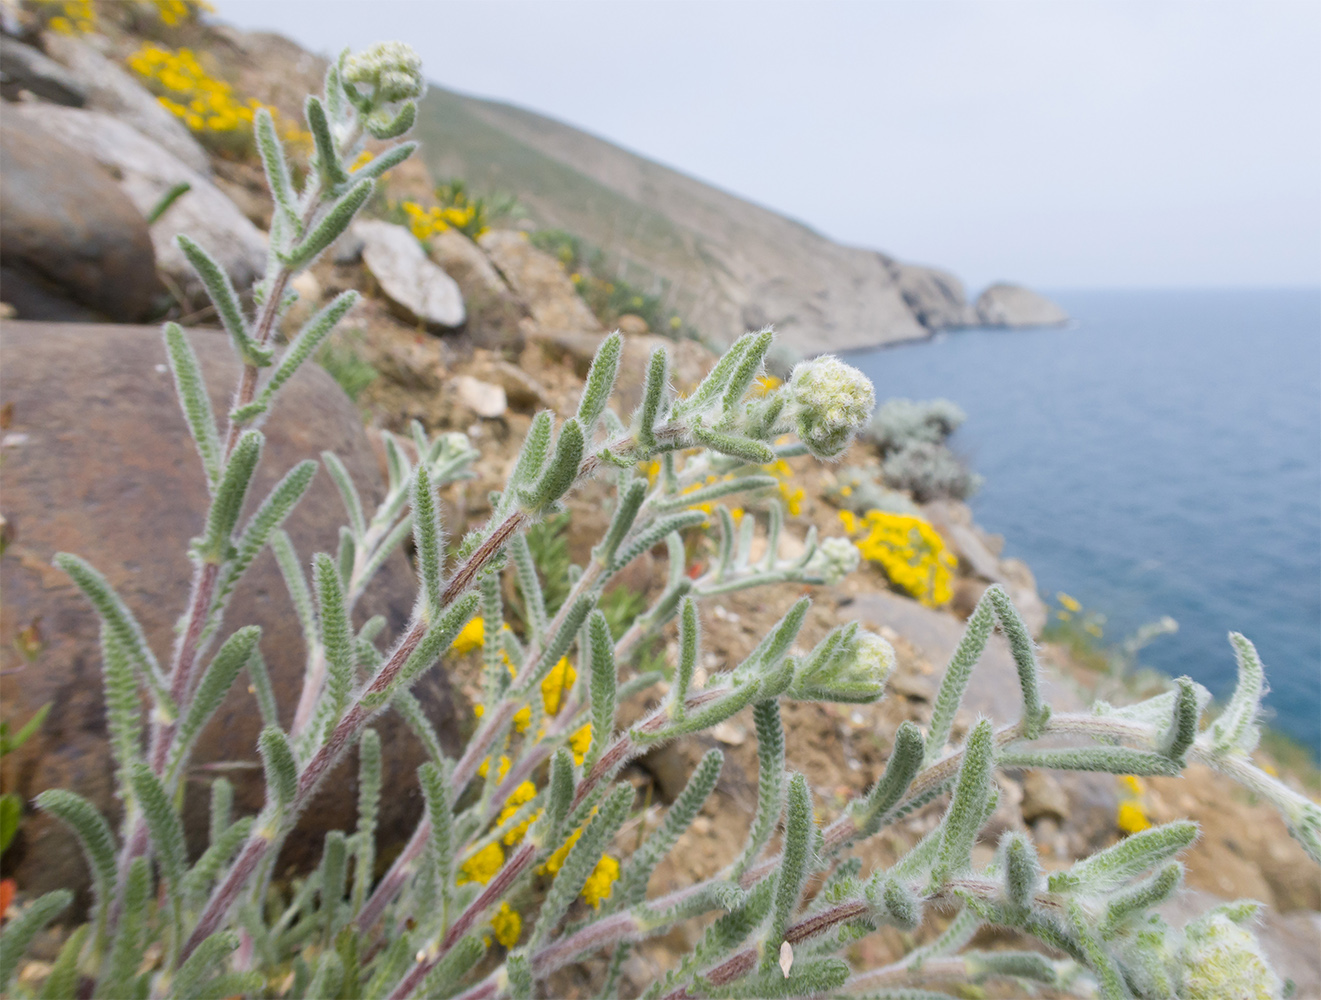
(113, 89)
(146, 171)
(483, 398)
(416, 287)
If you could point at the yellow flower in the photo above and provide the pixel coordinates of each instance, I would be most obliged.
(501, 769)
(1070, 603)
(555, 683)
(601, 882)
(556, 861)
(522, 719)
(472, 636)
(482, 865)
(523, 793)
(1132, 783)
(765, 385)
(1132, 819)
(580, 742)
(507, 924)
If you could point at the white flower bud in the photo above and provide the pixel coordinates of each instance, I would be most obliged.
(832, 401)
(391, 67)
(835, 559)
(849, 665)
(1221, 959)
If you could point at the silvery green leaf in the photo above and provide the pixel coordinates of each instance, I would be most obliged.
(429, 541)
(736, 446)
(603, 685)
(387, 161)
(770, 782)
(1025, 659)
(281, 768)
(273, 162)
(336, 635)
(216, 545)
(529, 586)
(119, 620)
(214, 858)
(302, 347)
(444, 979)
(222, 804)
(331, 226)
(94, 837)
(582, 859)
(193, 399)
(438, 638)
(904, 763)
(206, 958)
(1022, 869)
(749, 367)
(532, 456)
(166, 829)
(327, 159)
(123, 708)
(717, 380)
(706, 494)
(964, 817)
(1236, 729)
(1115, 760)
(1182, 729)
(654, 533)
(560, 472)
(369, 808)
(221, 292)
(627, 505)
(600, 381)
(653, 395)
(348, 492)
(25, 926)
(216, 681)
(969, 651)
(382, 125)
(796, 860)
(1136, 900)
(1127, 859)
(63, 981)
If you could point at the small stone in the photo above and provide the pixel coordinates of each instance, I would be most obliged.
(729, 734)
(483, 398)
(417, 289)
(703, 825)
(631, 325)
(1043, 796)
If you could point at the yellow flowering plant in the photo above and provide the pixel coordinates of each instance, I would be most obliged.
(520, 844)
(908, 549)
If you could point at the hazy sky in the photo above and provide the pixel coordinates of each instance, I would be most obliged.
(1061, 144)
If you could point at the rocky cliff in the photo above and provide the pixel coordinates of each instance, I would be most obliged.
(726, 264)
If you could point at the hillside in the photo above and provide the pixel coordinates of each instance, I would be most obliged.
(726, 264)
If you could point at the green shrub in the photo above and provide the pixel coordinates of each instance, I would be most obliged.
(515, 869)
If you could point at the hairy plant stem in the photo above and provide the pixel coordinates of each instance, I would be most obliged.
(345, 733)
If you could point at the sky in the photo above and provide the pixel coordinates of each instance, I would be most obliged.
(1059, 144)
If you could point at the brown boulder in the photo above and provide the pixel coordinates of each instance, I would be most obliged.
(71, 245)
(98, 463)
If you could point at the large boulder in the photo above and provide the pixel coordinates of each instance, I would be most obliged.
(24, 68)
(1004, 304)
(540, 282)
(494, 312)
(98, 462)
(110, 88)
(418, 290)
(71, 247)
(146, 172)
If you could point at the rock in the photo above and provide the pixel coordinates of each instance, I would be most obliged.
(483, 398)
(633, 326)
(523, 391)
(70, 245)
(538, 279)
(146, 171)
(347, 250)
(112, 89)
(419, 291)
(936, 297)
(106, 470)
(494, 311)
(1013, 305)
(953, 522)
(24, 68)
(1043, 796)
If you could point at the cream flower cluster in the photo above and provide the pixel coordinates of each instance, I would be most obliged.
(830, 402)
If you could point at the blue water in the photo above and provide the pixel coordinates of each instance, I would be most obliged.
(1160, 457)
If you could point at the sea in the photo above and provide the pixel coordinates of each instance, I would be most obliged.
(1159, 456)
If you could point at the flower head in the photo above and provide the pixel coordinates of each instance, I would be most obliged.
(835, 559)
(848, 665)
(392, 68)
(1221, 959)
(830, 403)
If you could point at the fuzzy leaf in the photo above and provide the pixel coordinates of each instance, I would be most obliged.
(1127, 859)
(206, 958)
(654, 533)
(166, 829)
(62, 983)
(429, 539)
(388, 160)
(277, 506)
(369, 808)
(221, 292)
(439, 806)
(749, 367)
(327, 159)
(216, 545)
(336, 635)
(532, 456)
(734, 445)
(381, 127)
(347, 491)
(603, 685)
(302, 347)
(689, 643)
(964, 817)
(216, 681)
(627, 505)
(193, 399)
(770, 781)
(93, 834)
(331, 226)
(600, 381)
(970, 648)
(904, 763)
(20, 930)
(653, 395)
(278, 761)
(1236, 729)
(796, 860)
(561, 790)
(561, 471)
(273, 162)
